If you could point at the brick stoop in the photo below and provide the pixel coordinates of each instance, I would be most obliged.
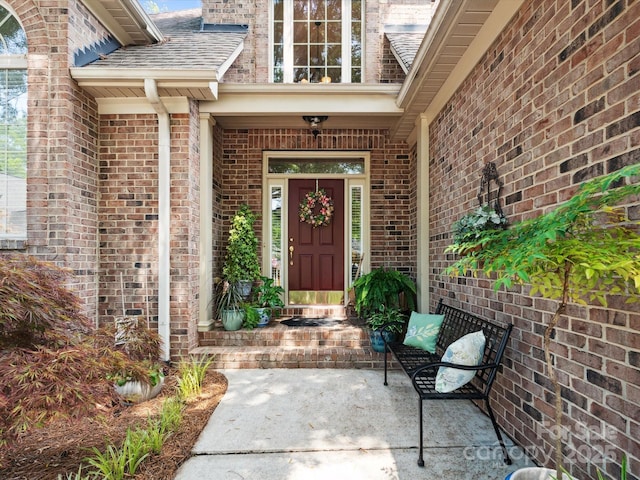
(345, 345)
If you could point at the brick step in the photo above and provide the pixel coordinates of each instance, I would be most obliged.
(293, 357)
(276, 334)
(344, 345)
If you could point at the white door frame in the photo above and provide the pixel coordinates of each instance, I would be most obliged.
(354, 184)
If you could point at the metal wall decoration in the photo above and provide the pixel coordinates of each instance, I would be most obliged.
(490, 187)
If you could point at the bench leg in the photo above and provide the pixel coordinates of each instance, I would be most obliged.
(385, 367)
(507, 460)
(420, 457)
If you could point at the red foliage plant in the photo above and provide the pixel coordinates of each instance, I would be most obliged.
(52, 362)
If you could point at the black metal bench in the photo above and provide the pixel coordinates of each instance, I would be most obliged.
(422, 366)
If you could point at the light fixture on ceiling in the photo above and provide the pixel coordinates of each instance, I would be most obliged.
(314, 122)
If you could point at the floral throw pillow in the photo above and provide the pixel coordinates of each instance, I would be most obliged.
(467, 350)
(422, 331)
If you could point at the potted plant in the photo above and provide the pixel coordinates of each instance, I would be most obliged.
(268, 297)
(387, 323)
(139, 343)
(474, 226)
(584, 250)
(241, 263)
(251, 316)
(229, 305)
(383, 287)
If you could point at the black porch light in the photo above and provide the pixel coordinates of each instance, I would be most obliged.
(314, 122)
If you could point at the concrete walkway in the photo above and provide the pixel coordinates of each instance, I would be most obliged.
(307, 424)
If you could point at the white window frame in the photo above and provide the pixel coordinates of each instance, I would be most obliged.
(13, 62)
(287, 34)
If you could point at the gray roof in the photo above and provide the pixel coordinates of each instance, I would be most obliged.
(185, 46)
(404, 46)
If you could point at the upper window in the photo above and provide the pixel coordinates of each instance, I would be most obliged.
(317, 41)
(13, 128)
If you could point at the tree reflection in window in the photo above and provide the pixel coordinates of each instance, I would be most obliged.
(13, 127)
(316, 50)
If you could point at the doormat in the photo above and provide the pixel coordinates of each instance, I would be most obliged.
(311, 322)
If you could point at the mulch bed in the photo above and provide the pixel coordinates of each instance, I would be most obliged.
(59, 448)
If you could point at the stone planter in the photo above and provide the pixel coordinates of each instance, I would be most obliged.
(244, 288)
(535, 473)
(134, 391)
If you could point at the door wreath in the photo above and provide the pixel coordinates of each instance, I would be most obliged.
(316, 209)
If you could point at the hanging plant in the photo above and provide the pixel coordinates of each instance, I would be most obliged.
(316, 209)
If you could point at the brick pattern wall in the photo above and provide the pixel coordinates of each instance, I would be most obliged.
(391, 71)
(554, 102)
(255, 52)
(128, 208)
(129, 221)
(253, 64)
(85, 30)
(61, 149)
(392, 183)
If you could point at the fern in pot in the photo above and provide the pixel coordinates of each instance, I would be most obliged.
(385, 324)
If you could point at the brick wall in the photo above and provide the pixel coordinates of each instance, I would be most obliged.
(255, 55)
(391, 71)
(61, 149)
(129, 221)
(84, 30)
(253, 64)
(128, 208)
(392, 183)
(555, 101)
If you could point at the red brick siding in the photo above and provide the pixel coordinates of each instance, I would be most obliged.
(185, 231)
(554, 102)
(128, 215)
(391, 71)
(129, 221)
(61, 148)
(393, 200)
(85, 31)
(252, 66)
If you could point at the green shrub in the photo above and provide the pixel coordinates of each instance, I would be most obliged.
(191, 375)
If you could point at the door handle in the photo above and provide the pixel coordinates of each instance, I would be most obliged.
(291, 255)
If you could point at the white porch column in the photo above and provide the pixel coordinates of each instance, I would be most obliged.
(205, 314)
(422, 153)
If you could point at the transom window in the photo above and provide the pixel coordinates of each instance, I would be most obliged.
(13, 128)
(317, 41)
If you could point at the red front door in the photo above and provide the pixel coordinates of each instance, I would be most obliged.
(315, 255)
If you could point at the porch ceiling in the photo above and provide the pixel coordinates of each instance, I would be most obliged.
(283, 105)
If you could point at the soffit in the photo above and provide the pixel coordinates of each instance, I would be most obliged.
(452, 30)
(126, 20)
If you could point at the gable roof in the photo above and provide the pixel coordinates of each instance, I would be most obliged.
(405, 41)
(188, 61)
